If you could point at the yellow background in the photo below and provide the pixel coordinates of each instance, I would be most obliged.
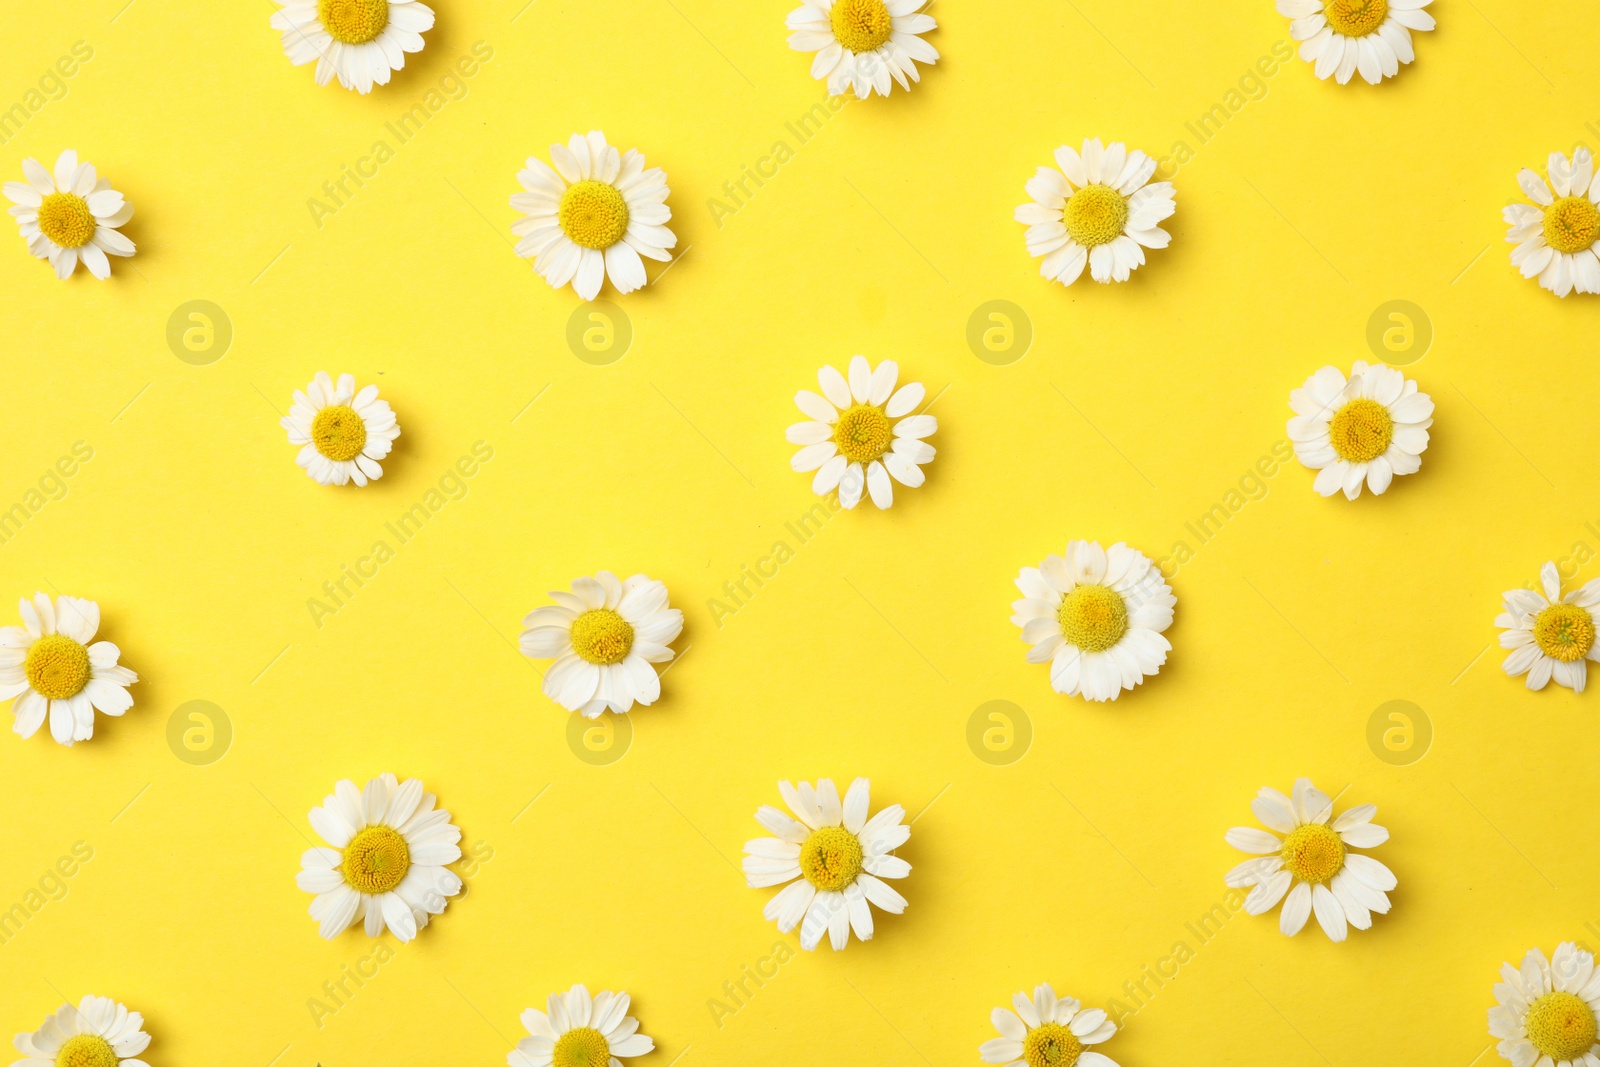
(1137, 409)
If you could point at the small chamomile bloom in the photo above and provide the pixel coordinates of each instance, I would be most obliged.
(580, 1031)
(1098, 209)
(861, 44)
(861, 432)
(70, 215)
(1365, 428)
(1345, 36)
(1048, 1031)
(360, 41)
(1551, 636)
(99, 1032)
(1546, 1010)
(49, 665)
(1312, 863)
(342, 433)
(833, 858)
(1558, 241)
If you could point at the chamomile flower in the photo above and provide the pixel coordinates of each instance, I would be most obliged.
(1551, 636)
(603, 636)
(1345, 36)
(578, 1031)
(1367, 428)
(1096, 210)
(1559, 240)
(861, 44)
(360, 41)
(861, 432)
(99, 1032)
(49, 666)
(1096, 615)
(1047, 1031)
(592, 216)
(1312, 862)
(833, 859)
(1547, 1009)
(387, 864)
(342, 433)
(71, 215)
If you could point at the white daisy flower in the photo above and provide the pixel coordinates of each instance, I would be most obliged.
(99, 1032)
(580, 1032)
(1559, 240)
(1549, 636)
(1344, 36)
(342, 433)
(1047, 1031)
(71, 215)
(1096, 210)
(592, 216)
(861, 432)
(1344, 888)
(861, 44)
(1546, 1010)
(1096, 615)
(833, 859)
(1369, 428)
(603, 636)
(361, 41)
(387, 863)
(48, 665)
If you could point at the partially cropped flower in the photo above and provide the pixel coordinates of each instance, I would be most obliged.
(71, 215)
(1558, 241)
(1096, 210)
(49, 665)
(579, 1031)
(1345, 36)
(1551, 636)
(1367, 428)
(360, 41)
(861, 44)
(1546, 1010)
(342, 434)
(99, 1032)
(862, 431)
(1048, 1031)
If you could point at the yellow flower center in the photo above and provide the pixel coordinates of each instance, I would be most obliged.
(1095, 215)
(65, 218)
(1361, 431)
(601, 636)
(339, 433)
(863, 433)
(861, 25)
(1051, 1045)
(1313, 853)
(57, 667)
(1562, 631)
(376, 860)
(353, 21)
(582, 1046)
(831, 858)
(1571, 224)
(1356, 18)
(1093, 617)
(86, 1050)
(593, 214)
(1561, 1026)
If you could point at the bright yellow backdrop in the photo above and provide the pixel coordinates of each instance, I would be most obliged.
(1138, 408)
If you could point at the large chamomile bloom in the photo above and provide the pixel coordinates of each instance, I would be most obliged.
(1096, 210)
(99, 1032)
(361, 41)
(1047, 1031)
(580, 1031)
(603, 636)
(71, 215)
(1365, 428)
(1551, 636)
(833, 859)
(342, 434)
(1096, 615)
(1559, 240)
(1312, 862)
(1547, 1009)
(861, 44)
(592, 216)
(49, 666)
(387, 863)
(1345, 36)
(861, 432)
